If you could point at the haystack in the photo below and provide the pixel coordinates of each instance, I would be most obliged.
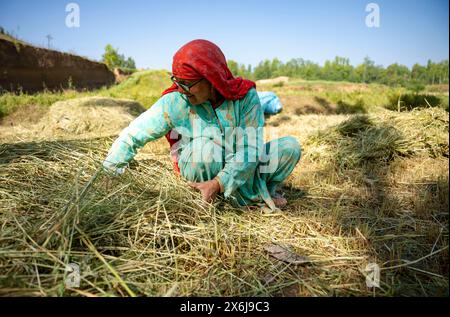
(97, 116)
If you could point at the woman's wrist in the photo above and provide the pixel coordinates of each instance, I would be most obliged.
(221, 188)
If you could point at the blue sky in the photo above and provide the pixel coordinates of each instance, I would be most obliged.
(248, 31)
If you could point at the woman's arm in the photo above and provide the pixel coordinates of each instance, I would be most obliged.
(150, 125)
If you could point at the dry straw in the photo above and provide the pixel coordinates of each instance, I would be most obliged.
(147, 233)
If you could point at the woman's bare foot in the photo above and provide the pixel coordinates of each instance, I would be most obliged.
(279, 200)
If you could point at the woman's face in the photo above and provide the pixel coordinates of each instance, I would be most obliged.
(199, 93)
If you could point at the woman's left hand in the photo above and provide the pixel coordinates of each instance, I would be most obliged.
(209, 189)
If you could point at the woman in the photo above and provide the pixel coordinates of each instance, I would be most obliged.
(220, 121)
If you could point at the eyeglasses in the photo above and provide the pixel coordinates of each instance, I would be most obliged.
(185, 87)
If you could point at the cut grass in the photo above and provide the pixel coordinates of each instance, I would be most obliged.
(378, 139)
(146, 233)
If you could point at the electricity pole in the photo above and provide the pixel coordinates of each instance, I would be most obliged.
(49, 38)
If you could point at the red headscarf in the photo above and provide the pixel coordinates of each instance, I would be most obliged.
(203, 59)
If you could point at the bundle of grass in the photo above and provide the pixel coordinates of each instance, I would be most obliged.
(379, 138)
(89, 115)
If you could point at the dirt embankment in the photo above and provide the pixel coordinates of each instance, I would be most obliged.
(32, 69)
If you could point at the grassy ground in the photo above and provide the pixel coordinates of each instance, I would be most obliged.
(371, 187)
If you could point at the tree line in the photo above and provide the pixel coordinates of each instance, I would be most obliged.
(340, 69)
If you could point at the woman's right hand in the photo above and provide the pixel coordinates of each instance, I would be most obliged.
(209, 189)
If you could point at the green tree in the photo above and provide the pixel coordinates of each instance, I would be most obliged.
(129, 63)
(437, 73)
(239, 70)
(233, 66)
(419, 73)
(367, 72)
(276, 68)
(338, 69)
(263, 70)
(311, 70)
(396, 74)
(113, 59)
(443, 72)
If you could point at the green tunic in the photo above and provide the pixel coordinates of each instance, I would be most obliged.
(225, 143)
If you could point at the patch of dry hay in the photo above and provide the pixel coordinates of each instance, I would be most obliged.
(97, 116)
(87, 117)
(148, 233)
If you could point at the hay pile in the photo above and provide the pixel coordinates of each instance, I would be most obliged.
(144, 233)
(97, 116)
(380, 138)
